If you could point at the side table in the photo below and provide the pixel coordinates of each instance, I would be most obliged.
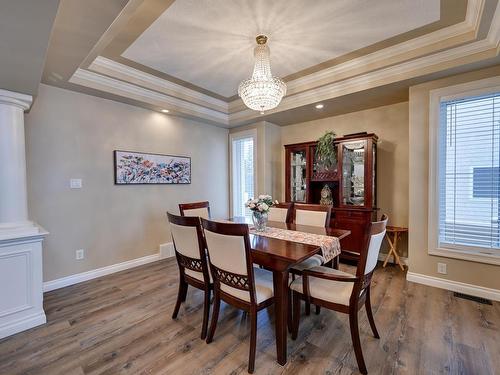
(395, 233)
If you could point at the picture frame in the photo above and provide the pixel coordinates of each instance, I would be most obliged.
(141, 168)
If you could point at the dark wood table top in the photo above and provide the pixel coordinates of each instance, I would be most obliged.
(284, 252)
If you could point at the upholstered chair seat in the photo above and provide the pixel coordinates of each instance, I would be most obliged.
(263, 287)
(314, 261)
(327, 290)
(198, 275)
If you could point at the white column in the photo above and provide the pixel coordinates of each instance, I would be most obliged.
(13, 193)
(21, 278)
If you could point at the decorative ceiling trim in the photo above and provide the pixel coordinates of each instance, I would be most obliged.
(113, 86)
(125, 73)
(440, 50)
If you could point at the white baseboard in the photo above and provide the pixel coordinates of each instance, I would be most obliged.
(454, 286)
(165, 250)
(382, 256)
(22, 324)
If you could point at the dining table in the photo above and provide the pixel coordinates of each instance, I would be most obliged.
(278, 256)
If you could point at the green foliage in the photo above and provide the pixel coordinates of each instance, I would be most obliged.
(326, 152)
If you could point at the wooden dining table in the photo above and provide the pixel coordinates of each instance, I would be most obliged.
(279, 256)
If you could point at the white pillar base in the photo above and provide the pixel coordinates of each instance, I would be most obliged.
(21, 280)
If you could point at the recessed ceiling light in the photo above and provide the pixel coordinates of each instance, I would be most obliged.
(165, 110)
(319, 106)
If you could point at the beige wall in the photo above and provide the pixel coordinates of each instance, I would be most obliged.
(72, 135)
(420, 261)
(390, 123)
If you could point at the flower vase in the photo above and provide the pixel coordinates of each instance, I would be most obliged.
(259, 221)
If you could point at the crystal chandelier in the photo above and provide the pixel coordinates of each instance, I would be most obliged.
(262, 92)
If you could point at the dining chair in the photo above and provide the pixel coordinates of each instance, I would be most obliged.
(281, 212)
(342, 291)
(200, 209)
(189, 247)
(236, 281)
(316, 215)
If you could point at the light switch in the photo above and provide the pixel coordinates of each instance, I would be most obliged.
(75, 183)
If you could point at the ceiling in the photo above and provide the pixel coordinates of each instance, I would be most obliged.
(189, 56)
(25, 28)
(210, 43)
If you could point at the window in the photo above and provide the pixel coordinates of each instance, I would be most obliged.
(464, 204)
(485, 182)
(243, 148)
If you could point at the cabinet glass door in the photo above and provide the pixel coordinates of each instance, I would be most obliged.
(298, 166)
(353, 173)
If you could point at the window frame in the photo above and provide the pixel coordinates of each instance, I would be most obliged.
(464, 90)
(250, 133)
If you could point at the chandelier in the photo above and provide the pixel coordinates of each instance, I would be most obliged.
(262, 92)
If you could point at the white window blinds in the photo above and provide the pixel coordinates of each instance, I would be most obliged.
(469, 155)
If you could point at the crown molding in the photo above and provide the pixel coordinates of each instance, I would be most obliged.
(114, 86)
(440, 50)
(123, 72)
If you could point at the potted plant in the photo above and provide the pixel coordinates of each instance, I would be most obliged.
(260, 207)
(326, 152)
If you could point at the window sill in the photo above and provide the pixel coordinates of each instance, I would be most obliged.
(471, 256)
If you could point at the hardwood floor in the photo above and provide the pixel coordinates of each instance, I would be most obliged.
(121, 324)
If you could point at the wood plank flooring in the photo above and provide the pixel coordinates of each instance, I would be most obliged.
(121, 324)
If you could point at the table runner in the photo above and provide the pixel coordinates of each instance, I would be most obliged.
(330, 246)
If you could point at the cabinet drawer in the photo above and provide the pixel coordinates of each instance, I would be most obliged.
(352, 215)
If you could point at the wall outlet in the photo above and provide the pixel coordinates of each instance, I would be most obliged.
(75, 183)
(442, 268)
(80, 254)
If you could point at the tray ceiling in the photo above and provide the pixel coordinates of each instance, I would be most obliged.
(209, 43)
(188, 56)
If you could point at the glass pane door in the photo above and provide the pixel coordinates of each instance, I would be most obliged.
(243, 174)
(298, 165)
(353, 173)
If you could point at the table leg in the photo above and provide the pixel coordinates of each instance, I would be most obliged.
(280, 281)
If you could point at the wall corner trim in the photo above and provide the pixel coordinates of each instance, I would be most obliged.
(108, 270)
(454, 286)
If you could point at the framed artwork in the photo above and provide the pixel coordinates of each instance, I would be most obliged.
(135, 168)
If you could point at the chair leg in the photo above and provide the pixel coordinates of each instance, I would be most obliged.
(253, 340)
(296, 315)
(215, 317)
(308, 308)
(368, 307)
(290, 317)
(318, 309)
(353, 322)
(181, 296)
(206, 311)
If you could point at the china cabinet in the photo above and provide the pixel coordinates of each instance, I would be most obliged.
(352, 182)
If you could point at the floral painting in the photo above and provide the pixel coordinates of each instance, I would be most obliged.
(142, 168)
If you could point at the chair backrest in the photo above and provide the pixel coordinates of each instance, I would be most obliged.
(189, 244)
(228, 247)
(281, 212)
(200, 209)
(316, 215)
(369, 258)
